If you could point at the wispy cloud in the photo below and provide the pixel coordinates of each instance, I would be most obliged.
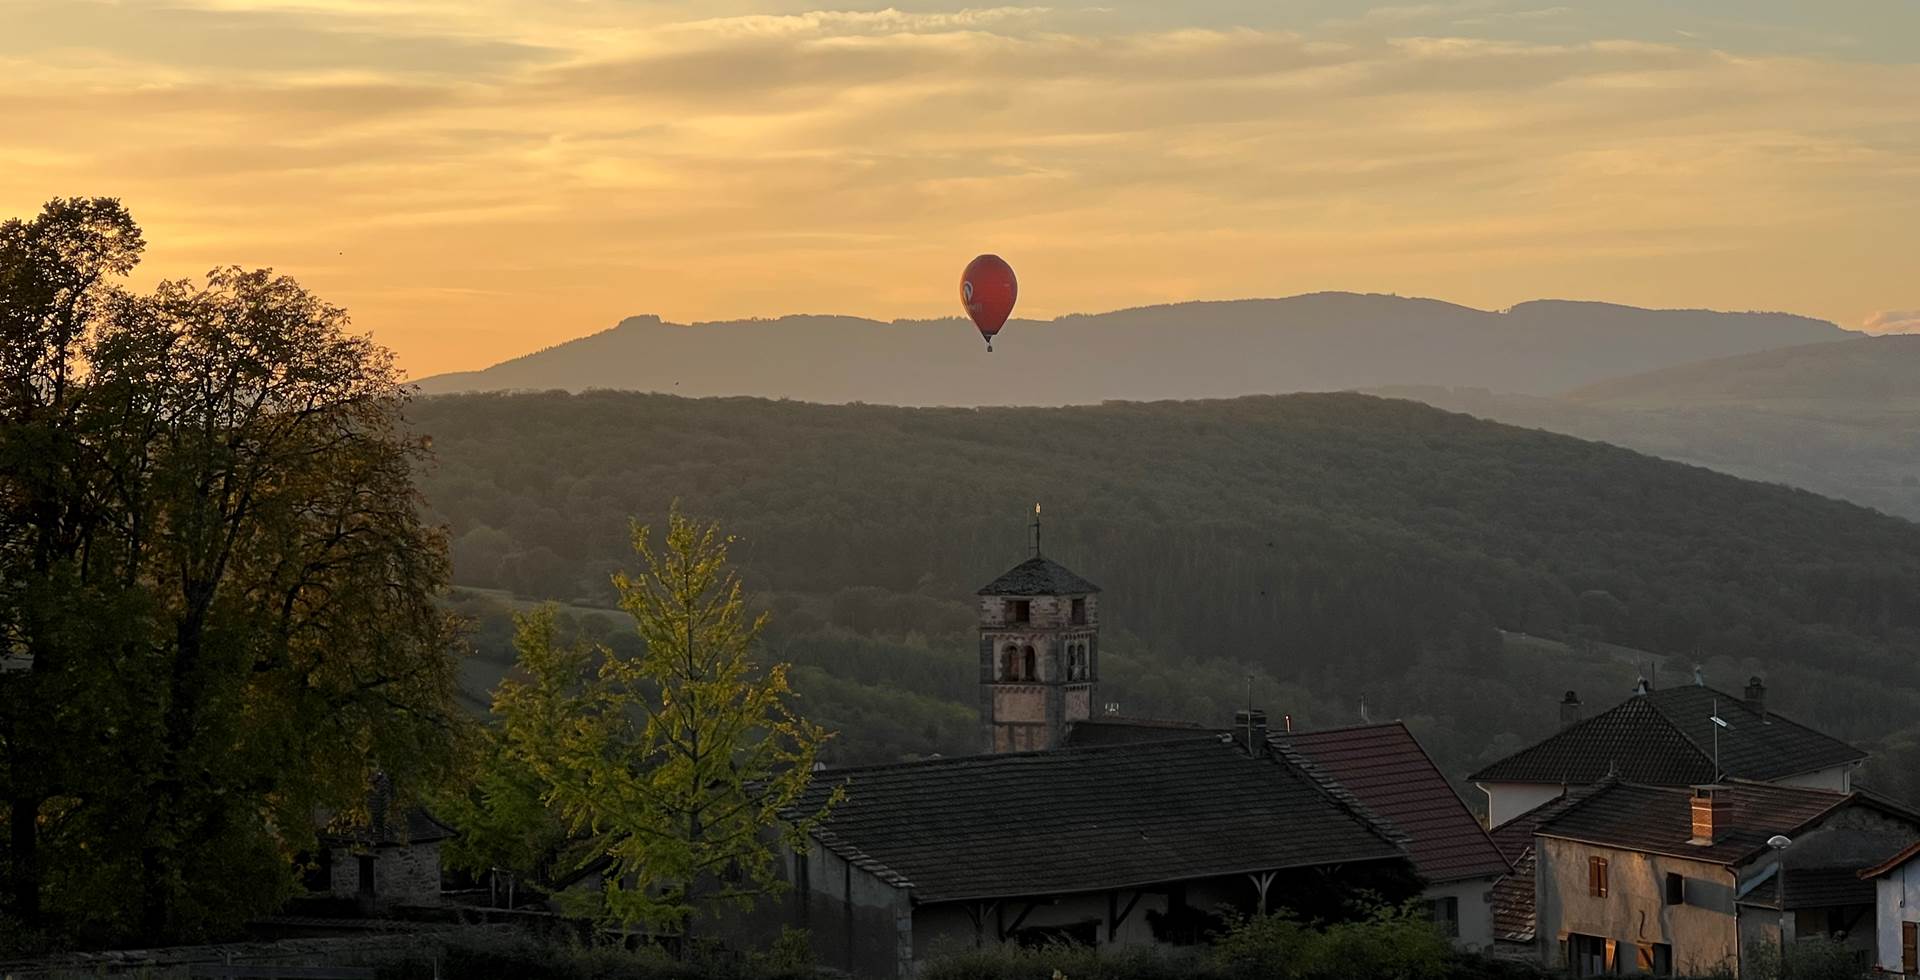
(1893, 321)
(478, 180)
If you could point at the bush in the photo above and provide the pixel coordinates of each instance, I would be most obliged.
(1810, 959)
(1388, 945)
(492, 954)
(1065, 962)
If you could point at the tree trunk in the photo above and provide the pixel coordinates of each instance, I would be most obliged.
(23, 852)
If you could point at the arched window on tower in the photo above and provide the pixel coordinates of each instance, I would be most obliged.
(1031, 673)
(1010, 664)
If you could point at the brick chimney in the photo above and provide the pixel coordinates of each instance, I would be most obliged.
(1711, 813)
(1252, 722)
(1756, 695)
(1569, 710)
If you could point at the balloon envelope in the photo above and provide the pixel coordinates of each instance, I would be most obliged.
(987, 290)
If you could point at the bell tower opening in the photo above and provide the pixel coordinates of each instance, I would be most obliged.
(1039, 652)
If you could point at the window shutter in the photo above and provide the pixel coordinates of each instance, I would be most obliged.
(1909, 962)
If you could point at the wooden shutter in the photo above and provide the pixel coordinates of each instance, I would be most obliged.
(1909, 962)
(1597, 877)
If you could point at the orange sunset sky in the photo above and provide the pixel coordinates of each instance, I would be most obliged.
(476, 180)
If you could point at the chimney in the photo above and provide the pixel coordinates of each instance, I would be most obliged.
(1253, 723)
(1711, 814)
(1569, 710)
(1757, 696)
(1641, 687)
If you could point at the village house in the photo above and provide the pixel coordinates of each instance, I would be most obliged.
(391, 860)
(1110, 846)
(1896, 883)
(1385, 768)
(1668, 737)
(1663, 880)
(1512, 897)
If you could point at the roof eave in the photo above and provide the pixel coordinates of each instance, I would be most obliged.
(926, 899)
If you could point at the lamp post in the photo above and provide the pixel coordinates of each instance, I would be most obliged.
(1780, 843)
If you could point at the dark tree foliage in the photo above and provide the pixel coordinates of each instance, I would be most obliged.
(1338, 546)
(217, 595)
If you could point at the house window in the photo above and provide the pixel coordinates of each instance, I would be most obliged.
(1079, 612)
(1020, 611)
(1597, 877)
(1031, 672)
(366, 876)
(1676, 889)
(1589, 956)
(1446, 914)
(1909, 962)
(1654, 958)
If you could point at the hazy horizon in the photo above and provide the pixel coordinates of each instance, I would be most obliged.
(478, 180)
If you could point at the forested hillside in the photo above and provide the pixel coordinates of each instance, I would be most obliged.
(1317, 342)
(1339, 546)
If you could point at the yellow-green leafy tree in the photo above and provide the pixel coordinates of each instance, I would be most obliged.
(681, 765)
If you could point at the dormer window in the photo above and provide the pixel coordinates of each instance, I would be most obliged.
(1019, 611)
(1080, 612)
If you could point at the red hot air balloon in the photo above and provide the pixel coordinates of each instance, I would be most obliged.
(987, 290)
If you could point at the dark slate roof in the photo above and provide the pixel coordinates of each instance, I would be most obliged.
(419, 827)
(1659, 819)
(1086, 819)
(1115, 730)
(1039, 576)
(1515, 837)
(1665, 738)
(1385, 767)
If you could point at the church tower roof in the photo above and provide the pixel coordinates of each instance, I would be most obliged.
(1039, 576)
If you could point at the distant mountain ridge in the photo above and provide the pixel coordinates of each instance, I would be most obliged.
(1841, 418)
(1314, 342)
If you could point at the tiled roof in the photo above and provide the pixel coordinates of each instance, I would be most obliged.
(1385, 767)
(1659, 819)
(1515, 837)
(1891, 863)
(1039, 576)
(1665, 738)
(1513, 903)
(1116, 730)
(1813, 888)
(1086, 819)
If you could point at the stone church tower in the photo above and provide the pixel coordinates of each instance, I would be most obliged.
(1039, 653)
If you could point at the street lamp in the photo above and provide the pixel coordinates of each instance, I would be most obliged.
(1780, 843)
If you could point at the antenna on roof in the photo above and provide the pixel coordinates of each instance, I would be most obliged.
(1364, 720)
(1036, 530)
(1718, 723)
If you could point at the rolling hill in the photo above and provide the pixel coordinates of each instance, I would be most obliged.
(1339, 547)
(1841, 419)
(1317, 342)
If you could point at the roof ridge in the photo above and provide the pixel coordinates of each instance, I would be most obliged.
(1184, 736)
(1347, 728)
(1341, 796)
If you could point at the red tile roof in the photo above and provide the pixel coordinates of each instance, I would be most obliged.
(1659, 819)
(1385, 768)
